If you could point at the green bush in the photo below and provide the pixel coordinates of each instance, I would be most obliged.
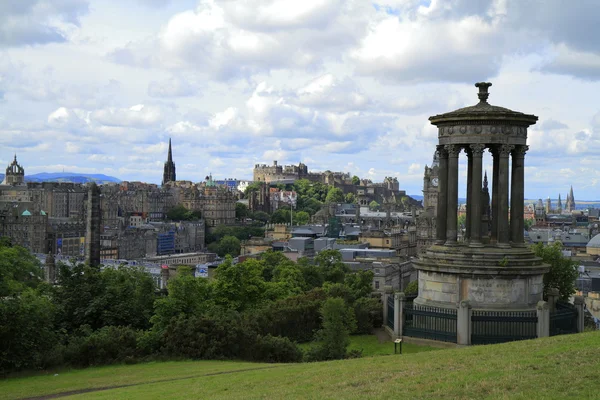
(333, 339)
(368, 313)
(412, 288)
(107, 345)
(27, 334)
(297, 317)
(274, 349)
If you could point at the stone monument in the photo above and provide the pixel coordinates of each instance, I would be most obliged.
(492, 268)
(93, 225)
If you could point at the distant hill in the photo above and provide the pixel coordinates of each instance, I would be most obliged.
(71, 177)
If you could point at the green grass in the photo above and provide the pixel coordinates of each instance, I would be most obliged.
(560, 367)
(370, 346)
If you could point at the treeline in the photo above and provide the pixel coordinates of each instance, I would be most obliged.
(257, 310)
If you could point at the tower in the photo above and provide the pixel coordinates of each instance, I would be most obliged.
(430, 185)
(50, 269)
(15, 174)
(559, 205)
(93, 222)
(571, 200)
(169, 170)
(548, 205)
(495, 273)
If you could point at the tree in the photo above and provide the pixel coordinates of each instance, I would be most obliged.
(27, 330)
(261, 216)
(180, 213)
(350, 198)
(563, 271)
(301, 218)
(529, 223)
(331, 266)
(461, 220)
(229, 245)
(19, 269)
(281, 216)
(355, 180)
(241, 211)
(187, 296)
(374, 205)
(334, 195)
(239, 286)
(88, 296)
(334, 337)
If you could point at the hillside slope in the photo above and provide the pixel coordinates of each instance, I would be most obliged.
(552, 368)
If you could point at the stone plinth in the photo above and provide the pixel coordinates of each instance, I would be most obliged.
(487, 277)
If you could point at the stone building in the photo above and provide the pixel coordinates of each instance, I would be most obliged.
(15, 174)
(217, 205)
(492, 268)
(66, 237)
(93, 225)
(169, 169)
(25, 226)
(425, 222)
(275, 172)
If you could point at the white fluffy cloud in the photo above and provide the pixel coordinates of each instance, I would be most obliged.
(339, 85)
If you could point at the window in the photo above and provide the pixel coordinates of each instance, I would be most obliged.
(376, 284)
(376, 270)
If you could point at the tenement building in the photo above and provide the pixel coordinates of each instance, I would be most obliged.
(492, 268)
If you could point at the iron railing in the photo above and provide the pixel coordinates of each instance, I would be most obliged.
(564, 320)
(489, 327)
(390, 312)
(427, 322)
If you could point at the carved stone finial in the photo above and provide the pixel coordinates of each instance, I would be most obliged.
(483, 91)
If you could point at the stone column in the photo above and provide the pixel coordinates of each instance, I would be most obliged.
(442, 196)
(469, 201)
(387, 291)
(543, 315)
(469, 205)
(494, 230)
(502, 223)
(552, 295)
(452, 200)
(579, 302)
(398, 313)
(517, 196)
(463, 323)
(476, 176)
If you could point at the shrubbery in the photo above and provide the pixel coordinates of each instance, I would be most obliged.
(257, 310)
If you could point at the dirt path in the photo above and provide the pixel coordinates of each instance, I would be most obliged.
(99, 389)
(382, 335)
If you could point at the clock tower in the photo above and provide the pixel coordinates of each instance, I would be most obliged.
(430, 185)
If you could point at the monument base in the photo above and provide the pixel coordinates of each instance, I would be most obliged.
(490, 278)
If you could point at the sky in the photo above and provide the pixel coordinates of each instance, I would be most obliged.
(341, 85)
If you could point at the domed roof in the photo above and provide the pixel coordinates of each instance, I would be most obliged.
(26, 213)
(484, 111)
(595, 242)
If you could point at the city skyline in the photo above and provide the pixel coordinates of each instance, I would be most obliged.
(99, 87)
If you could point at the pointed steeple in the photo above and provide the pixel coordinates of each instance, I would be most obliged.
(169, 170)
(170, 156)
(485, 181)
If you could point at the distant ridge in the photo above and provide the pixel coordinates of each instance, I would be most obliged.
(69, 177)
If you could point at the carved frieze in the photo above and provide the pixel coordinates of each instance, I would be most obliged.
(507, 130)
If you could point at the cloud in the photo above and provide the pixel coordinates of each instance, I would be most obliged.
(30, 22)
(138, 116)
(172, 87)
(550, 124)
(581, 64)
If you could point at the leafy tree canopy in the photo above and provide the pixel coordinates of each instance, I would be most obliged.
(563, 271)
(334, 195)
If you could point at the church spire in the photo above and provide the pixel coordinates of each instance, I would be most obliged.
(485, 181)
(169, 170)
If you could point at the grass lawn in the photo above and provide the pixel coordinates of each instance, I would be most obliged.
(370, 346)
(560, 367)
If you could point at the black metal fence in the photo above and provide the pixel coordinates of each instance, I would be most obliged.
(489, 327)
(563, 320)
(432, 323)
(390, 312)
